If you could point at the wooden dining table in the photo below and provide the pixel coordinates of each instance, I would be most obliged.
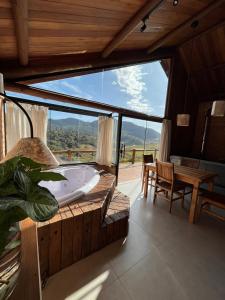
(193, 176)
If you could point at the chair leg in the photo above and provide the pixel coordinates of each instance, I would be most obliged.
(155, 193)
(182, 199)
(171, 201)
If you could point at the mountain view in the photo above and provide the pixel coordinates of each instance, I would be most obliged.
(73, 133)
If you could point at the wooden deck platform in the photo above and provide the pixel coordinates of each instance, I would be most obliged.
(83, 227)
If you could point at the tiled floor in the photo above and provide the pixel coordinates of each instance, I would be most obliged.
(163, 258)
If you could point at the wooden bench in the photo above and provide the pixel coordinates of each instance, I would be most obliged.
(83, 227)
(213, 199)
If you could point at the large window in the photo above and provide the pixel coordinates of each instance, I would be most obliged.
(72, 137)
(141, 88)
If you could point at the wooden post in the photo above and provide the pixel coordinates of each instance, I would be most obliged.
(133, 156)
(155, 153)
(2, 130)
(69, 155)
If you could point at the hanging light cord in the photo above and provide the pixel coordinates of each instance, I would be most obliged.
(188, 79)
(24, 111)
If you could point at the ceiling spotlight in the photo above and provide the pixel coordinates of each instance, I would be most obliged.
(143, 27)
(195, 24)
(175, 2)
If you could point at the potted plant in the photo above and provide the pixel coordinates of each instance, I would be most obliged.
(20, 197)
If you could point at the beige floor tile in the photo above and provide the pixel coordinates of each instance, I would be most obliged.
(85, 277)
(115, 291)
(151, 278)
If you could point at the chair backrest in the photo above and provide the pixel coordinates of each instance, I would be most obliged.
(164, 171)
(147, 158)
(189, 162)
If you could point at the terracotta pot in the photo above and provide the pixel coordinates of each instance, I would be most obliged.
(10, 266)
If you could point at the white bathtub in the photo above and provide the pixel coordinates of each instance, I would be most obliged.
(80, 180)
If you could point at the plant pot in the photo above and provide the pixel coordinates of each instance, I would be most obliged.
(10, 264)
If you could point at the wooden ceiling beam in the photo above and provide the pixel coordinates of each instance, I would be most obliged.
(49, 95)
(59, 67)
(161, 42)
(130, 26)
(20, 13)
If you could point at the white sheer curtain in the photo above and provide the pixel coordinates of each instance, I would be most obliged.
(17, 125)
(105, 141)
(164, 147)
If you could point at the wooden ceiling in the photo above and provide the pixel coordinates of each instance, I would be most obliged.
(204, 59)
(37, 35)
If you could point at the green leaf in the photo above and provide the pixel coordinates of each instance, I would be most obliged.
(41, 204)
(8, 189)
(23, 182)
(36, 177)
(7, 169)
(30, 164)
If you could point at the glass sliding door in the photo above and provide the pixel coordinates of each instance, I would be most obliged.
(138, 137)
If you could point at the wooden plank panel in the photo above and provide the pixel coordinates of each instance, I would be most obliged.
(55, 244)
(77, 10)
(67, 236)
(57, 17)
(43, 244)
(77, 236)
(87, 229)
(124, 5)
(95, 227)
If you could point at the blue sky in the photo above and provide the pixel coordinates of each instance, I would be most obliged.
(140, 87)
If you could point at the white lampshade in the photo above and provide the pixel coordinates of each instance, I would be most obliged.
(218, 108)
(35, 149)
(183, 119)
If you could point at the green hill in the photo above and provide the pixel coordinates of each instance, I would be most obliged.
(72, 133)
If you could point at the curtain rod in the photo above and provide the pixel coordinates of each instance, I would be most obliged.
(61, 108)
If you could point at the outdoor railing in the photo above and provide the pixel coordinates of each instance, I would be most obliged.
(130, 155)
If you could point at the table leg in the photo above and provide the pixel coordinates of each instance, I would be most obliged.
(143, 178)
(146, 183)
(194, 202)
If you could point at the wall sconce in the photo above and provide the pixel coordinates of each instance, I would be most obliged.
(183, 119)
(218, 108)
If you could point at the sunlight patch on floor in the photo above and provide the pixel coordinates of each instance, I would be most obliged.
(90, 290)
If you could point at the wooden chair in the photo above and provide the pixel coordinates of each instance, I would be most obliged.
(211, 199)
(147, 158)
(191, 163)
(166, 182)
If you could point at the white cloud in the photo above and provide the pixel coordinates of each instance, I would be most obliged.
(114, 82)
(131, 82)
(75, 89)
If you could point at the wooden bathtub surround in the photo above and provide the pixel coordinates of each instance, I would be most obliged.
(83, 227)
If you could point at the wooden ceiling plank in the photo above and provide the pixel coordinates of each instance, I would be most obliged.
(20, 12)
(184, 25)
(148, 8)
